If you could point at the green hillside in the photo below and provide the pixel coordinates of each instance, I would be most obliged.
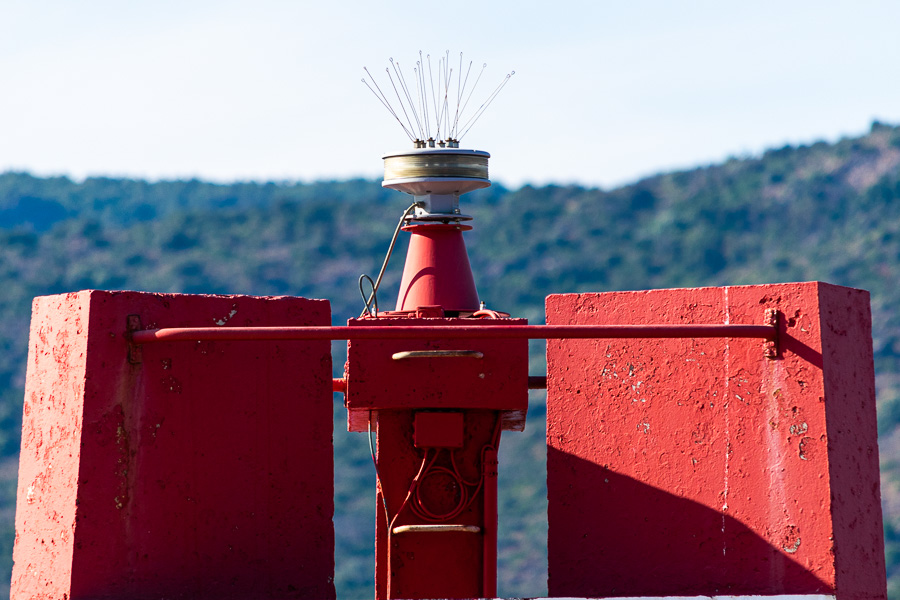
(827, 212)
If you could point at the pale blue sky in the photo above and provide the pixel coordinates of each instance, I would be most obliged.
(604, 92)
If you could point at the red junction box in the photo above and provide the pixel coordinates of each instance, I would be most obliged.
(204, 471)
(697, 466)
(487, 373)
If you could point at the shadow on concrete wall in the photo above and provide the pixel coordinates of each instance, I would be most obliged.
(611, 535)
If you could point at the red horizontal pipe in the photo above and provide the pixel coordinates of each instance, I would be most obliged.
(531, 332)
(537, 382)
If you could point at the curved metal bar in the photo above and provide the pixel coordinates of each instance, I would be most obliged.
(440, 528)
(437, 354)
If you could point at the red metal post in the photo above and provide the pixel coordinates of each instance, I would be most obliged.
(438, 535)
(489, 467)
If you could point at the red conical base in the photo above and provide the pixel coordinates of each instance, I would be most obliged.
(437, 271)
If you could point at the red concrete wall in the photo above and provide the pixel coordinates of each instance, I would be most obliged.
(205, 471)
(698, 467)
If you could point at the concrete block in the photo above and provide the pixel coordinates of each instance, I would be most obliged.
(697, 466)
(204, 471)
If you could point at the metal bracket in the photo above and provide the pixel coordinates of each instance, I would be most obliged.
(537, 382)
(437, 354)
(771, 348)
(441, 528)
(429, 312)
(132, 324)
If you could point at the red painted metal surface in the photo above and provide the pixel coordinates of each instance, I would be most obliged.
(450, 489)
(438, 429)
(205, 471)
(437, 536)
(489, 470)
(425, 477)
(698, 467)
(377, 380)
(372, 329)
(437, 271)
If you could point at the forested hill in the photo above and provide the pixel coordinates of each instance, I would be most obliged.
(824, 211)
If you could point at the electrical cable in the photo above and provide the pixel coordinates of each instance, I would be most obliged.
(384, 264)
(465, 496)
(409, 493)
(453, 462)
(372, 299)
(425, 466)
(423, 512)
(387, 517)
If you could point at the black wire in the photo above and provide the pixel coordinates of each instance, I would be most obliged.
(373, 299)
(371, 302)
(384, 265)
(387, 516)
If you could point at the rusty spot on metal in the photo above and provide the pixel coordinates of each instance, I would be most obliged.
(132, 324)
(771, 349)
